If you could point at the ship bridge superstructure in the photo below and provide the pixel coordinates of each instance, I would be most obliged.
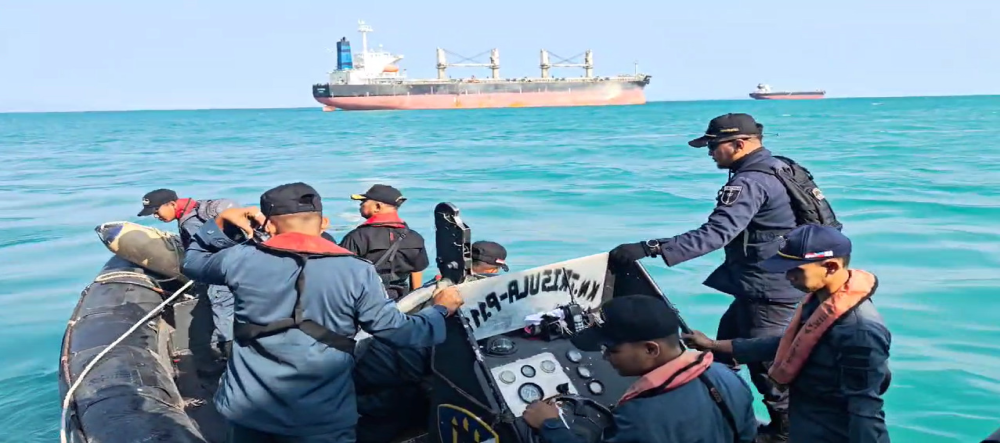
(367, 66)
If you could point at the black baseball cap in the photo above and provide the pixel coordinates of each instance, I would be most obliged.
(808, 244)
(154, 199)
(491, 253)
(291, 198)
(382, 194)
(629, 319)
(728, 127)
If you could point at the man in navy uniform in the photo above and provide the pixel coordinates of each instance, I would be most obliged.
(299, 302)
(758, 205)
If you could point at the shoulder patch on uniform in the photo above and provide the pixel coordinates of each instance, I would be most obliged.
(729, 194)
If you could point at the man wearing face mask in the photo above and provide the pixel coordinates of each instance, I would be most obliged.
(766, 197)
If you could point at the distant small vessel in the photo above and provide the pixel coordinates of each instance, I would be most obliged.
(764, 92)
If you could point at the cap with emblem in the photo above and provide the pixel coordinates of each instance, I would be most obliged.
(154, 199)
(291, 198)
(491, 253)
(728, 127)
(629, 319)
(382, 194)
(808, 244)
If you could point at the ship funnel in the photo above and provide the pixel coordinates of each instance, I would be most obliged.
(344, 59)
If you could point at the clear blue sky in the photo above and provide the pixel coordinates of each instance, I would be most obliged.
(98, 55)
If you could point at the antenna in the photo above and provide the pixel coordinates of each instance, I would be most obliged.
(364, 29)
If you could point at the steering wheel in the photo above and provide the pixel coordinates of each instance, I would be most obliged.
(585, 417)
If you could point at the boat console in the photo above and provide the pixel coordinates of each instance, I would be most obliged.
(511, 344)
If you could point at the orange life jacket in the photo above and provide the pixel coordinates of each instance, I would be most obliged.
(800, 339)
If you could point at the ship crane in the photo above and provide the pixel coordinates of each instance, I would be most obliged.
(587, 65)
(443, 65)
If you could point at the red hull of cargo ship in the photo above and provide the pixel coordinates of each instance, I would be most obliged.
(786, 96)
(496, 100)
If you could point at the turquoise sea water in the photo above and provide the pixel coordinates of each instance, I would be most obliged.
(916, 182)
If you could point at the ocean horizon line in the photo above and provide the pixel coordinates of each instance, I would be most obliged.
(288, 108)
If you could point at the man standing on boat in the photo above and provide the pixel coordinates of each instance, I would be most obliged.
(833, 358)
(765, 197)
(398, 252)
(301, 301)
(191, 214)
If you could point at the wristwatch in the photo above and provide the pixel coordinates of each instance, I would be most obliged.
(654, 247)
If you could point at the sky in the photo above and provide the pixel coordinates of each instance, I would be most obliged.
(121, 55)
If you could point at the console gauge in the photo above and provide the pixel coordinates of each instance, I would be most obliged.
(529, 392)
(574, 356)
(500, 346)
(595, 387)
(527, 371)
(507, 377)
(548, 366)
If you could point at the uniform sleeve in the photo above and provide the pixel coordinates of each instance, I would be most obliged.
(354, 243)
(863, 370)
(737, 203)
(378, 316)
(751, 350)
(624, 430)
(209, 257)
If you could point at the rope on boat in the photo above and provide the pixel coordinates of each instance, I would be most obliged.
(90, 366)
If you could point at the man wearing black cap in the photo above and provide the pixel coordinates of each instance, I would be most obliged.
(833, 358)
(190, 215)
(766, 196)
(488, 258)
(300, 301)
(671, 402)
(398, 252)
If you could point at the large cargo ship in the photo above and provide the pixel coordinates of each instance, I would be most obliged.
(764, 92)
(372, 80)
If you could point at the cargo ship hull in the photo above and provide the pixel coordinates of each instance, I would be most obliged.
(811, 95)
(484, 94)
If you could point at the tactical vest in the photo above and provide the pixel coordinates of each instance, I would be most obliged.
(302, 248)
(808, 202)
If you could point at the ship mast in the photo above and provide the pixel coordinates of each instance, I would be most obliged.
(364, 29)
(587, 65)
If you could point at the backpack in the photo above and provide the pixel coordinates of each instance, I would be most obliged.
(808, 202)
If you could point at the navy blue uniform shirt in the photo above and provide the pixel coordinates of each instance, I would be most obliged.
(751, 212)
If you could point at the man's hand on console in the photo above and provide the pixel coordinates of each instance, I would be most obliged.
(539, 411)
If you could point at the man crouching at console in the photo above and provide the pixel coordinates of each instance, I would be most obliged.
(673, 400)
(298, 299)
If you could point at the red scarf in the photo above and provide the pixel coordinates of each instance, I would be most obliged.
(675, 373)
(303, 243)
(390, 220)
(183, 207)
